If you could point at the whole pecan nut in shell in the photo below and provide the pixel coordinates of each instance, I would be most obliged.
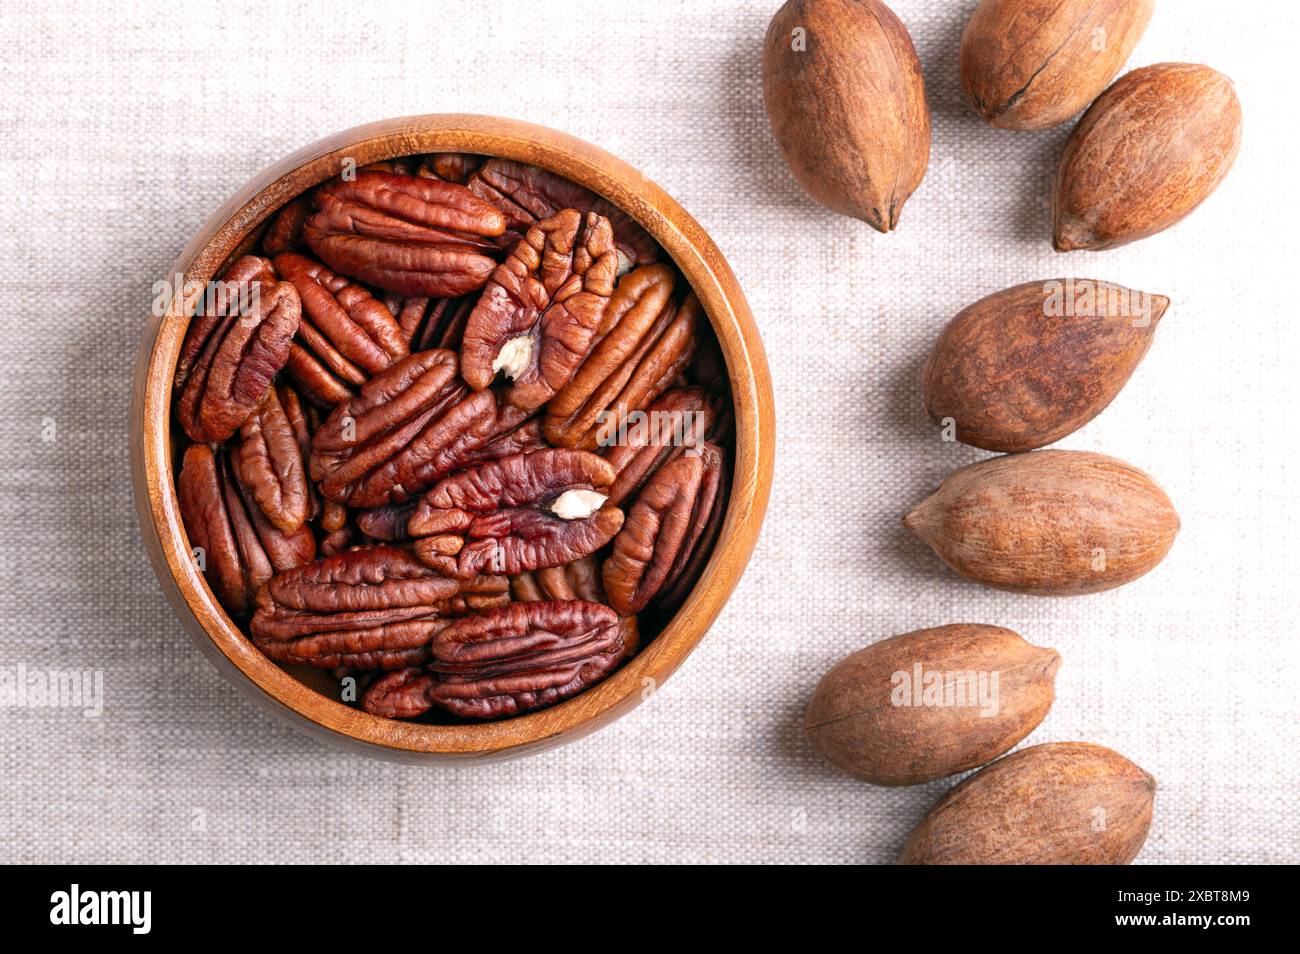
(525, 512)
(233, 350)
(539, 314)
(404, 233)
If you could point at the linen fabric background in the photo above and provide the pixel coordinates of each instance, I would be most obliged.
(126, 124)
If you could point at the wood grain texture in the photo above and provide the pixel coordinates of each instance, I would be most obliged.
(233, 228)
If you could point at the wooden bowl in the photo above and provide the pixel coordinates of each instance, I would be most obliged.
(234, 227)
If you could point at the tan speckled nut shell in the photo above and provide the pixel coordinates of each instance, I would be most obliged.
(1063, 803)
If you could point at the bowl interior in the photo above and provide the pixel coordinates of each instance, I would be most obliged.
(234, 228)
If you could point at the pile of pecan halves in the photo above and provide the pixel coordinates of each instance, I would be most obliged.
(453, 429)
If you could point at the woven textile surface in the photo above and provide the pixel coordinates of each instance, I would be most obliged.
(126, 124)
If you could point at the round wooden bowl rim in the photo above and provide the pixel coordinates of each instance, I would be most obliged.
(704, 268)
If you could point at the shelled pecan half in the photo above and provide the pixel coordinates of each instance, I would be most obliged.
(540, 311)
(431, 322)
(645, 342)
(539, 509)
(271, 463)
(682, 419)
(406, 429)
(237, 547)
(404, 233)
(345, 335)
(509, 660)
(526, 194)
(452, 166)
(579, 580)
(663, 539)
(370, 608)
(284, 234)
(233, 348)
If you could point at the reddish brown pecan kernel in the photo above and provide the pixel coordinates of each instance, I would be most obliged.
(303, 421)
(285, 231)
(235, 283)
(539, 314)
(405, 234)
(232, 353)
(452, 166)
(239, 551)
(706, 523)
(345, 335)
(681, 419)
(522, 656)
(405, 430)
(372, 607)
(636, 360)
(544, 508)
(579, 580)
(403, 694)
(271, 465)
(527, 194)
(431, 322)
(672, 518)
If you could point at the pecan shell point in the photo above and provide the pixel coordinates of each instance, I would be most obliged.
(656, 550)
(533, 510)
(231, 353)
(540, 311)
(649, 342)
(404, 233)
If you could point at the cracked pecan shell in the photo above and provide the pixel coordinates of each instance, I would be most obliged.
(681, 419)
(538, 316)
(232, 351)
(345, 335)
(240, 549)
(403, 233)
(406, 429)
(534, 510)
(369, 608)
(526, 194)
(646, 343)
(667, 532)
(271, 464)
